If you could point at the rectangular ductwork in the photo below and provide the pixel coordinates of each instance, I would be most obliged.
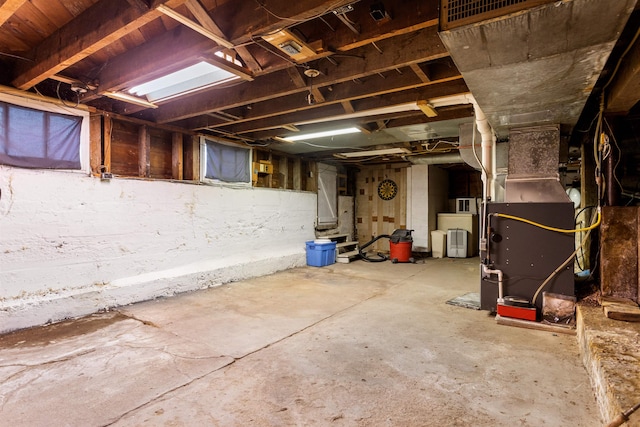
(534, 157)
(456, 13)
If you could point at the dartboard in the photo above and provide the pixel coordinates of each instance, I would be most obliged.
(387, 189)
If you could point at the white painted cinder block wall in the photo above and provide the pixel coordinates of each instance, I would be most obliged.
(427, 188)
(71, 244)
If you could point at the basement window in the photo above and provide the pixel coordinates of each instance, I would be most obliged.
(226, 163)
(34, 138)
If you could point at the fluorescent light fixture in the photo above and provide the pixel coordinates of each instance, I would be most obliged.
(120, 96)
(373, 112)
(381, 152)
(444, 101)
(196, 77)
(324, 134)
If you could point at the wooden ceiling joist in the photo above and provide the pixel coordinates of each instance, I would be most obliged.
(8, 8)
(195, 26)
(340, 93)
(623, 93)
(81, 38)
(411, 48)
(301, 115)
(143, 63)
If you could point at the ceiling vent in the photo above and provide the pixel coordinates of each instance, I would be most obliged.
(456, 13)
(294, 46)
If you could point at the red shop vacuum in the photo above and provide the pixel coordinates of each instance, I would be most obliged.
(400, 244)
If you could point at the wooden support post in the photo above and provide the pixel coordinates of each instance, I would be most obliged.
(95, 144)
(144, 159)
(270, 176)
(194, 164)
(297, 174)
(106, 142)
(177, 171)
(284, 171)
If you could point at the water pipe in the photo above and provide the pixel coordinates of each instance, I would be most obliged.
(488, 271)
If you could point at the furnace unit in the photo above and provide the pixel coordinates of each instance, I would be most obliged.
(522, 254)
(527, 254)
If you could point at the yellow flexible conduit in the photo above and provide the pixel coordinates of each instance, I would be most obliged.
(546, 227)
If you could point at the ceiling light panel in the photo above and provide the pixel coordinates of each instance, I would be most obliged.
(381, 152)
(196, 77)
(121, 96)
(325, 134)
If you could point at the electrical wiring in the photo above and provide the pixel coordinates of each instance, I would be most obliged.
(546, 227)
(62, 100)
(256, 144)
(619, 156)
(62, 105)
(298, 21)
(360, 160)
(325, 146)
(453, 145)
(568, 260)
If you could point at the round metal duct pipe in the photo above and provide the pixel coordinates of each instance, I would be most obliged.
(436, 159)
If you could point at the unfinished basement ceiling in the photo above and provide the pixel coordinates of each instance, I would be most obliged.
(538, 66)
(314, 65)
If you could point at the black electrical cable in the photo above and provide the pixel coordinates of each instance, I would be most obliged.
(381, 257)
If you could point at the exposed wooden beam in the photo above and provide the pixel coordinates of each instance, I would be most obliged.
(202, 16)
(192, 158)
(177, 156)
(81, 37)
(330, 110)
(241, 72)
(194, 26)
(95, 144)
(348, 107)
(180, 48)
(144, 150)
(408, 16)
(242, 19)
(623, 94)
(340, 93)
(107, 136)
(249, 60)
(297, 77)
(344, 93)
(140, 4)
(71, 81)
(8, 8)
(420, 73)
(417, 47)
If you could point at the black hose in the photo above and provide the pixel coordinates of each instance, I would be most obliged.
(381, 257)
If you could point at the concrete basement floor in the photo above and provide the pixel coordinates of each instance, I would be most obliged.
(360, 344)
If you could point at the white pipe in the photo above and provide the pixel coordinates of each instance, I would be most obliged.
(487, 270)
(488, 148)
(488, 144)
